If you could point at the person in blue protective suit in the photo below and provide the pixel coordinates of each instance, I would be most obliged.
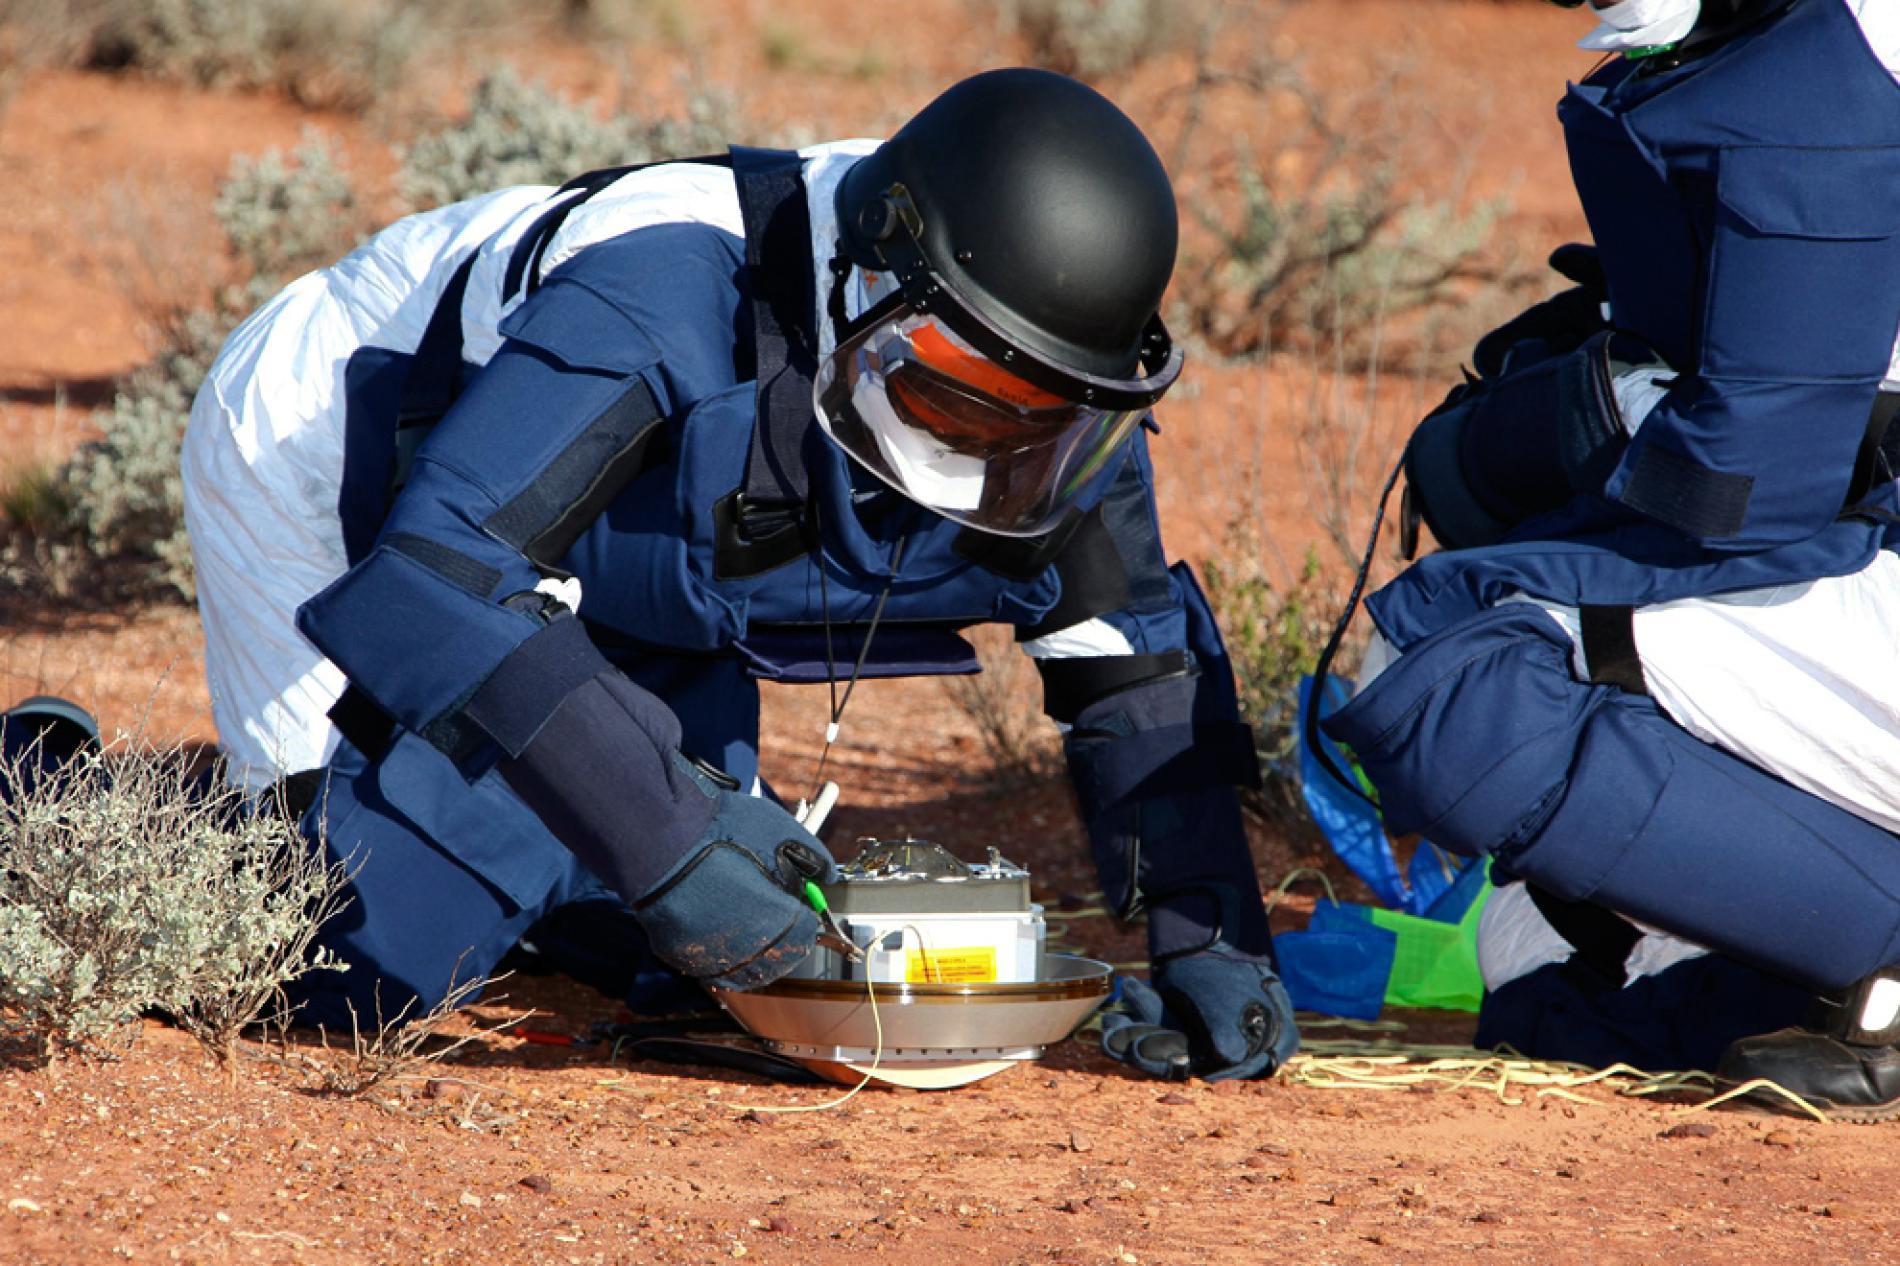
(1699, 426)
(547, 482)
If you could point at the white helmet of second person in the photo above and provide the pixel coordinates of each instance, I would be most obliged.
(1630, 25)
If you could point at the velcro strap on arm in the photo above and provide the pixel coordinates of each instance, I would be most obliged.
(544, 519)
(1686, 495)
(1070, 685)
(451, 564)
(409, 637)
(516, 700)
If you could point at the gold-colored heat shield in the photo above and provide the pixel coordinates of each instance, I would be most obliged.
(828, 1023)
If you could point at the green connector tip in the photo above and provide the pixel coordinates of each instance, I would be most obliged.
(815, 897)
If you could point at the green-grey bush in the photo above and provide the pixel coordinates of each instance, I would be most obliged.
(1341, 256)
(286, 213)
(521, 133)
(1094, 39)
(127, 886)
(1274, 633)
(282, 214)
(327, 53)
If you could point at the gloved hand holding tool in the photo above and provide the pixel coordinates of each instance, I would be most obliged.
(733, 913)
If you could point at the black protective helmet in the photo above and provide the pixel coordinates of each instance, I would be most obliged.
(1020, 232)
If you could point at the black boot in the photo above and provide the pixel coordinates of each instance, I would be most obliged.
(40, 735)
(1845, 1060)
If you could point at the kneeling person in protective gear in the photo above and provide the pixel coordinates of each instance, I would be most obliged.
(549, 479)
(1693, 440)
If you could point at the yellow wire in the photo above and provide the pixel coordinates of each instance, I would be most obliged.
(932, 965)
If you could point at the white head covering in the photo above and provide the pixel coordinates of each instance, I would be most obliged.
(1633, 24)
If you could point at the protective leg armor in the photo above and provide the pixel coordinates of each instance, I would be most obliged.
(1481, 739)
(421, 920)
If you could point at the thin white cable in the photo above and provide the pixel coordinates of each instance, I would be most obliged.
(877, 1056)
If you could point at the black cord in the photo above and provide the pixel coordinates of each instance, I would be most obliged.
(1324, 666)
(824, 606)
(831, 664)
(877, 614)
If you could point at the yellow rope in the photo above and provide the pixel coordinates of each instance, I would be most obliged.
(1760, 1083)
(1386, 1065)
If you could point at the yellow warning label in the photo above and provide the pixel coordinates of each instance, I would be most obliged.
(976, 965)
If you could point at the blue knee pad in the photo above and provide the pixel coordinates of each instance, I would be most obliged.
(420, 921)
(1481, 738)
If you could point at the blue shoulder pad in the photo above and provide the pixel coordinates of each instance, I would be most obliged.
(570, 321)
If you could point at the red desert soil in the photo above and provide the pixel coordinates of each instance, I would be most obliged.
(525, 1153)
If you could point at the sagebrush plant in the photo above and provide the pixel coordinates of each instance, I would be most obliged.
(1310, 225)
(282, 214)
(1020, 746)
(129, 883)
(1094, 39)
(521, 133)
(255, 928)
(1289, 260)
(627, 21)
(285, 213)
(1274, 630)
(335, 54)
(122, 492)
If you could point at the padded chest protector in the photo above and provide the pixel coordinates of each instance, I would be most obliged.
(1747, 209)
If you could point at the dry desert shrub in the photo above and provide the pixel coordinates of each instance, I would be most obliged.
(1093, 39)
(1019, 743)
(128, 883)
(1274, 630)
(1306, 215)
(1310, 227)
(384, 1048)
(115, 509)
(332, 54)
(1289, 259)
(282, 214)
(520, 133)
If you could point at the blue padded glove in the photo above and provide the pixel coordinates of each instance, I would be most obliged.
(732, 913)
(1215, 1014)
(1558, 325)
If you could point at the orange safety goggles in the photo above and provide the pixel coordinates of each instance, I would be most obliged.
(969, 402)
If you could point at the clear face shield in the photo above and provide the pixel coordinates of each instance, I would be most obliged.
(955, 432)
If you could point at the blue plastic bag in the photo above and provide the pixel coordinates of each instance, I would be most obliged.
(1338, 966)
(1350, 824)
